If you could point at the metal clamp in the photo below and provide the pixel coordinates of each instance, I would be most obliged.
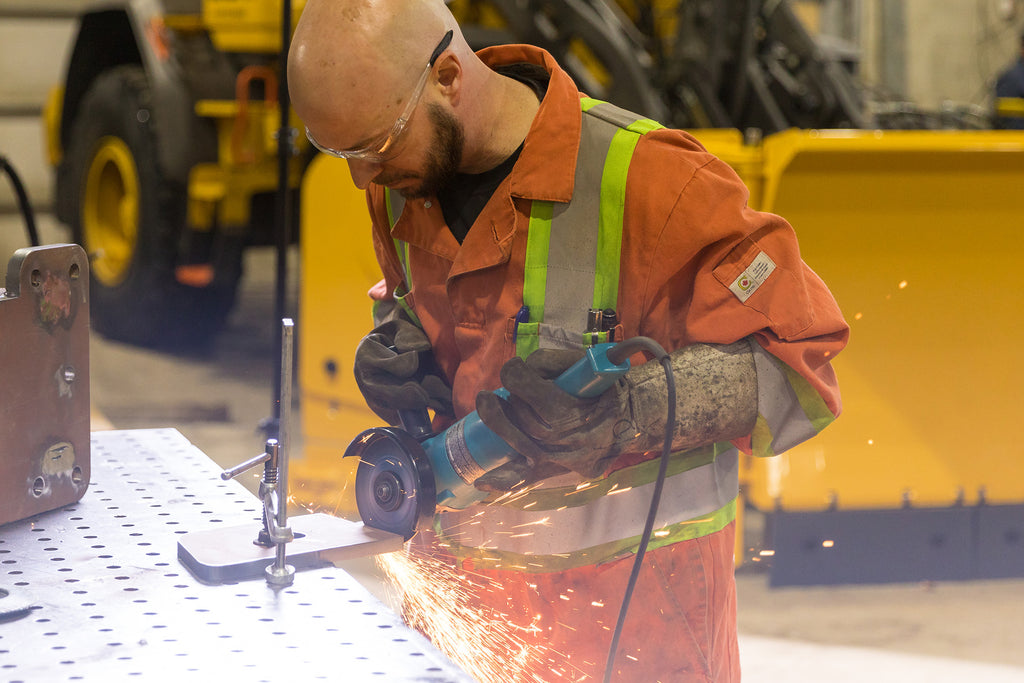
(273, 491)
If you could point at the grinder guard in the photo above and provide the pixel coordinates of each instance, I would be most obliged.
(395, 488)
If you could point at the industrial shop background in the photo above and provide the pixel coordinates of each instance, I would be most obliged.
(939, 57)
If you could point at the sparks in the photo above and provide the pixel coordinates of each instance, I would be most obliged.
(486, 643)
(539, 522)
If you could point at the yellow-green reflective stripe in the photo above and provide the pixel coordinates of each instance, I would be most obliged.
(643, 126)
(761, 438)
(790, 410)
(392, 218)
(814, 406)
(698, 527)
(613, 206)
(535, 275)
(402, 249)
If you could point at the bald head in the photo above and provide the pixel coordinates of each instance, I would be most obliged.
(354, 63)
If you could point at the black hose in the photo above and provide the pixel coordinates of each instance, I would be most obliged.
(622, 351)
(23, 203)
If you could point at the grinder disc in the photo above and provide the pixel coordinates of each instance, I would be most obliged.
(394, 481)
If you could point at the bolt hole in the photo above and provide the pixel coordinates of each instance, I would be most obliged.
(74, 272)
(77, 476)
(38, 487)
(36, 278)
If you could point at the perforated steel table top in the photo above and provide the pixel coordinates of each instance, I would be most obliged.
(110, 601)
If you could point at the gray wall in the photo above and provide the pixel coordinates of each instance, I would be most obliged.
(930, 52)
(35, 39)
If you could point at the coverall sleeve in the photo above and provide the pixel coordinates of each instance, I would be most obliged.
(725, 272)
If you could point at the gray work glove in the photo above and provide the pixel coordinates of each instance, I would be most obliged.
(555, 432)
(395, 370)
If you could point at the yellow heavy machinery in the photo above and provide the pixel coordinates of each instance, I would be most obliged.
(163, 133)
(913, 230)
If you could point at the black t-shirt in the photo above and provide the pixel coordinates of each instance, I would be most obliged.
(465, 197)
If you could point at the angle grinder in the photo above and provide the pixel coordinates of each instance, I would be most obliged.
(406, 474)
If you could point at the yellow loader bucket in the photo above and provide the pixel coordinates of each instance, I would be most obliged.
(920, 236)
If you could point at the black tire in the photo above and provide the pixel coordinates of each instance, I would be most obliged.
(129, 218)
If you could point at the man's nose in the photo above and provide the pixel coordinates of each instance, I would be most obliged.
(363, 172)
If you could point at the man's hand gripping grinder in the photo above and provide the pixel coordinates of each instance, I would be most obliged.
(405, 475)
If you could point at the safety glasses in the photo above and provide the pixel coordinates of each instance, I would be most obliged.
(387, 146)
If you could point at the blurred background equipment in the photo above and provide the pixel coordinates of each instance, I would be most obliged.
(162, 130)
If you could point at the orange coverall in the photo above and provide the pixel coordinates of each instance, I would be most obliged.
(687, 238)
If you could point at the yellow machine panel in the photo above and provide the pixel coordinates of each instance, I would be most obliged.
(918, 235)
(338, 267)
(247, 26)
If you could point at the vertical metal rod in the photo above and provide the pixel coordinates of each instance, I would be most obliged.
(284, 209)
(287, 342)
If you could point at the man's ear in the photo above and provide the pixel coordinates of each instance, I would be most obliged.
(449, 76)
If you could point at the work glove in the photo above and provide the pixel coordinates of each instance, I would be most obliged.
(395, 370)
(555, 432)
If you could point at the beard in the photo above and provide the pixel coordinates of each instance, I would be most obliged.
(444, 155)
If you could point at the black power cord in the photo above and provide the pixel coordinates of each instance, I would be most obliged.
(23, 203)
(618, 355)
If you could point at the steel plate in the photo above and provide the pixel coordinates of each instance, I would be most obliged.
(107, 599)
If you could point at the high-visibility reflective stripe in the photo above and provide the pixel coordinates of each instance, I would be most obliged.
(573, 266)
(613, 194)
(535, 275)
(571, 490)
(485, 558)
(790, 410)
(573, 246)
(394, 202)
(688, 496)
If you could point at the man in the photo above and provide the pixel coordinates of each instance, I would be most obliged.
(511, 214)
(1010, 84)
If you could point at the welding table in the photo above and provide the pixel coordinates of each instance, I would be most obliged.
(110, 601)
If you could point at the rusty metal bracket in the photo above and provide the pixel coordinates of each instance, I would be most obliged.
(44, 381)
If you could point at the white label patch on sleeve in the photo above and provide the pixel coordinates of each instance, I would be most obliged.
(753, 277)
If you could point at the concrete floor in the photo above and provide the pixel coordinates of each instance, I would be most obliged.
(966, 631)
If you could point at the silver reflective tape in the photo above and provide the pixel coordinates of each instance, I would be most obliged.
(778, 404)
(613, 517)
(572, 252)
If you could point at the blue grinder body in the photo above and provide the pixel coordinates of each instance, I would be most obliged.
(405, 475)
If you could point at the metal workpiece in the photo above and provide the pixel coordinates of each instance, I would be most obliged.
(44, 381)
(97, 594)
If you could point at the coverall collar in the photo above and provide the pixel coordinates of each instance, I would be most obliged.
(546, 171)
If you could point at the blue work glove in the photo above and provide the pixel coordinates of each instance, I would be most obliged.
(553, 430)
(395, 370)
